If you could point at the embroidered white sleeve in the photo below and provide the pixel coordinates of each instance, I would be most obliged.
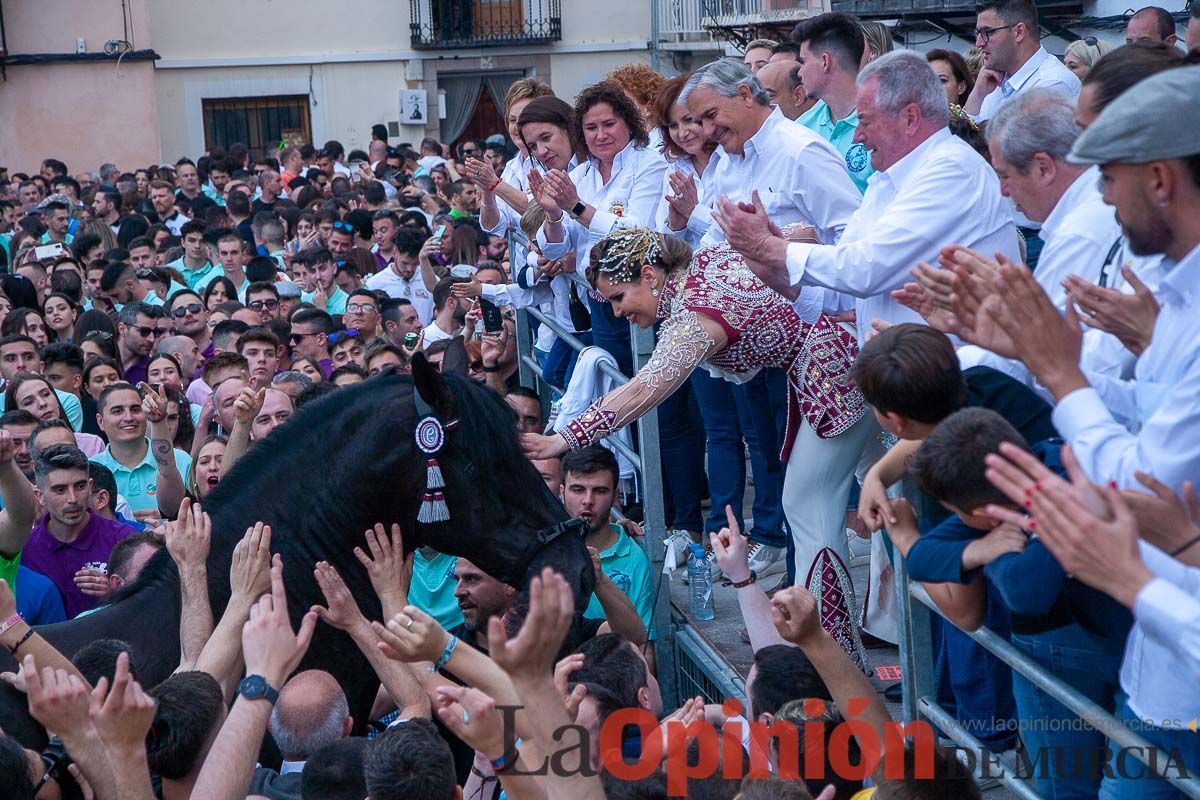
(682, 344)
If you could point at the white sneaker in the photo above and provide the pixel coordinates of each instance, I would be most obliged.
(766, 560)
(858, 547)
(678, 544)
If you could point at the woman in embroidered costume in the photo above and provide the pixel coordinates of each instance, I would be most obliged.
(717, 314)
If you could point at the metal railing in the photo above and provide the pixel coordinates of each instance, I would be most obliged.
(680, 20)
(646, 463)
(494, 23)
(920, 694)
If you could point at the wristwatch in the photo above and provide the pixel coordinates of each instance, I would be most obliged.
(255, 687)
(577, 209)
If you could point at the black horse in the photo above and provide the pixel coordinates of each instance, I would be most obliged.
(337, 467)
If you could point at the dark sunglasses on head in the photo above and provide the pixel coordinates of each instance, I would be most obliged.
(182, 311)
(259, 305)
(341, 336)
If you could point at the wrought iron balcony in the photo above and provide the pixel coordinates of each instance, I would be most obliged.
(444, 24)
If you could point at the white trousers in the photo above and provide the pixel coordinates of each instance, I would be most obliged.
(816, 489)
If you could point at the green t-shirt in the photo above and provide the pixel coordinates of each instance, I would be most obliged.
(336, 304)
(8, 570)
(840, 134)
(626, 565)
(432, 588)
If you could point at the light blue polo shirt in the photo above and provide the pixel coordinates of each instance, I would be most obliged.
(626, 565)
(432, 588)
(70, 404)
(336, 304)
(140, 485)
(46, 238)
(197, 279)
(840, 134)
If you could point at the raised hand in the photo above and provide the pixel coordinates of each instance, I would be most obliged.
(472, 716)
(189, 537)
(561, 188)
(271, 648)
(530, 657)
(412, 635)
(1018, 474)
(731, 549)
(1165, 519)
(538, 447)
(794, 612)
(154, 404)
(248, 403)
(480, 173)
(340, 609)
(1129, 317)
(8, 448)
(250, 569)
(57, 699)
(388, 567)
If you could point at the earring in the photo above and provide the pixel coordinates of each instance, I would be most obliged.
(654, 292)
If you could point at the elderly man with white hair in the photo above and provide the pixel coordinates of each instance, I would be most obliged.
(802, 180)
(930, 189)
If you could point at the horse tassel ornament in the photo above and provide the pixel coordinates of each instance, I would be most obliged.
(430, 436)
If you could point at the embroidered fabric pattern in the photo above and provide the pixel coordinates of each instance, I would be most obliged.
(682, 344)
(829, 583)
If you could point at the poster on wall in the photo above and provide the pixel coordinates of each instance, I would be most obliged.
(413, 106)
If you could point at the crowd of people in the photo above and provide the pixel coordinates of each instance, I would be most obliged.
(942, 305)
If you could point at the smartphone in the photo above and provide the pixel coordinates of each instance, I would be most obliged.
(440, 232)
(493, 321)
(45, 251)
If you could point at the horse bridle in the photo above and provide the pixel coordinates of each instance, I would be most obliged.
(544, 537)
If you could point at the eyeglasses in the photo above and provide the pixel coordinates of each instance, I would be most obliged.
(299, 337)
(984, 34)
(341, 336)
(182, 311)
(360, 308)
(259, 305)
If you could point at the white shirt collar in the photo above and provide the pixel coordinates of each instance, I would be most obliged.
(899, 171)
(1183, 277)
(761, 138)
(1075, 195)
(1015, 81)
(618, 160)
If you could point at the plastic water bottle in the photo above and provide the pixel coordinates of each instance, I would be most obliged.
(700, 584)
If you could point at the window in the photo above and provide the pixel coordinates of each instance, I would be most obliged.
(258, 122)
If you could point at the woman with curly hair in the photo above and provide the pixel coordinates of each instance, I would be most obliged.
(642, 85)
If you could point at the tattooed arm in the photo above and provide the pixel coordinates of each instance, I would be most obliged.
(170, 482)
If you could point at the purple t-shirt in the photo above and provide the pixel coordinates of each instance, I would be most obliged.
(59, 561)
(137, 373)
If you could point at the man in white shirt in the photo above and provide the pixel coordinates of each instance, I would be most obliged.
(1007, 32)
(1029, 139)
(1151, 168)
(431, 154)
(449, 313)
(800, 177)
(400, 278)
(914, 205)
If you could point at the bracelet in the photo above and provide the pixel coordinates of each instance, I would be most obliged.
(1172, 554)
(10, 622)
(492, 188)
(742, 584)
(486, 368)
(444, 658)
(556, 221)
(508, 760)
(21, 641)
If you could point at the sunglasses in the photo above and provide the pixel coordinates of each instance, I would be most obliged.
(182, 311)
(341, 336)
(144, 273)
(345, 227)
(299, 337)
(259, 305)
(145, 332)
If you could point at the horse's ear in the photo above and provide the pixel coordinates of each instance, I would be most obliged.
(455, 361)
(432, 386)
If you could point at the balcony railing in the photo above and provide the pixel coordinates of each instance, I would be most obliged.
(690, 20)
(438, 24)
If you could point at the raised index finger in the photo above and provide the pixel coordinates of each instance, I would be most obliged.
(731, 518)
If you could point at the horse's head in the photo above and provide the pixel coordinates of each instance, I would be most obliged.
(502, 516)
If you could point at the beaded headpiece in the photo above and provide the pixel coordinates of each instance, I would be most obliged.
(625, 253)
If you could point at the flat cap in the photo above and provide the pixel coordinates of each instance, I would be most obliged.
(1155, 119)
